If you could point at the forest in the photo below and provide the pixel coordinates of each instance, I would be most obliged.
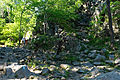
(60, 39)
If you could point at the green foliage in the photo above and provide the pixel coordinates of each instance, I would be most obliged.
(115, 10)
(43, 41)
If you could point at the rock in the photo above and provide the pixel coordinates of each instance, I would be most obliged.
(97, 63)
(117, 61)
(109, 61)
(74, 69)
(23, 72)
(94, 71)
(80, 71)
(37, 72)
(87, 64)
(92, 55)
(52, 67)
(118, 65)
(20, 71)
(63, 78)
(104, 50)
(111, 57)
(45, 71)
(64, 66)
(99, 58)
(82, 55)
(76, 63)
(114, 75)
(93, 51)
(77, 53)
(86, 51)
(78, 48)
(9, 71)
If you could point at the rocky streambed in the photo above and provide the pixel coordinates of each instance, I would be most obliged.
(19, 63)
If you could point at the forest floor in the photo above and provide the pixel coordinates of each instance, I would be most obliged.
(24, 64)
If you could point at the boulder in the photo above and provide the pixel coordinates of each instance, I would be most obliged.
(114, 75)
(20, 71)
(99, 57)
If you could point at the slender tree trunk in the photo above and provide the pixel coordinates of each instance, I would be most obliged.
(110, 22)
(45, 23)
(20, 28)
(20, 25)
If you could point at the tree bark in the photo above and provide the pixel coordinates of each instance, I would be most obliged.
(20, 28)
(110, 22)
(20, 25)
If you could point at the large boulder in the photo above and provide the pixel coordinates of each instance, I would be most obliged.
(19, 71)
(114, 75)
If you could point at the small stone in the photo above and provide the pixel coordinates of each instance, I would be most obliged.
(52, 67)
(104, 50)
(45, 71)
(92, 55)
(63, 78)
(80, 71)
(111, 57)
(93, 51)
(118, 65)
(64, 66)
(97, 63)
(76, 63)
(94, 71)
(9, 71)
(74, 69)
(88, 64)
(117, 61)
(86, 51)
(37, 71)
(109, 61)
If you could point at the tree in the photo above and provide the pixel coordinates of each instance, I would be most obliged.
(110, 23)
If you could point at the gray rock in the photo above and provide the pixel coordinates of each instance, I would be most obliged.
(76, 63)
(92, 55)
(20, 71)
(23, 72)
(45, 71)
(64, 66)
(78, 48)
(104, 50)
(83, 55)
(80, 71)
(93, 51)
(117, 61)
(111, 57)
(87, 64)
(86, 51)
(114, 75)
(9, 71)
(94, 71)
(118, 65)
(99, 58)
(109, 61)
(97, 63)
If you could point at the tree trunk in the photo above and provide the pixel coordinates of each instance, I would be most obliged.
(20, 28)
(110, 22)
(20, 25)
